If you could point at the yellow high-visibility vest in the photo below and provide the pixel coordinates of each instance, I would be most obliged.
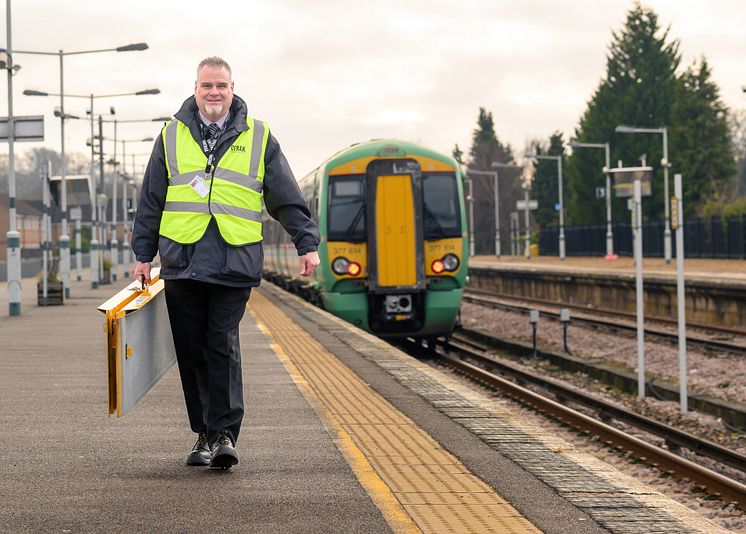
(235, 186)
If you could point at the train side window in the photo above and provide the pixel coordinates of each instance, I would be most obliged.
(440, 205)
(346, 221)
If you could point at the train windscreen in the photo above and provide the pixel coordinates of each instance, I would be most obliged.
(440, 205)
(346, 221)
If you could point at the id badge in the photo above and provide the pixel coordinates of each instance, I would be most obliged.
(199, 186)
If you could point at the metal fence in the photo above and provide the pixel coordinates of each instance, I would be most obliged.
(703, 238)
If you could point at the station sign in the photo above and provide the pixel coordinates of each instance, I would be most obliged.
(79, 191)
(624, 181)
(29, 128)
(521, 205)
(674, 213)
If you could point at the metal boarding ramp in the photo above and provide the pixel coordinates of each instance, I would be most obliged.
(139, 345)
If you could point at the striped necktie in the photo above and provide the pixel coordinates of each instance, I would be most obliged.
(212, 130)
(210, 137)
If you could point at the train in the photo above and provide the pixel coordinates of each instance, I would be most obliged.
(394, 240)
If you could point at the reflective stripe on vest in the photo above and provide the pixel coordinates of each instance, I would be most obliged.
(236, 186)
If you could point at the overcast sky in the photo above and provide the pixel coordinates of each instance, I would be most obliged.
(328, 73)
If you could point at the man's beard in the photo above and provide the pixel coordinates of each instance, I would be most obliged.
(214, 109)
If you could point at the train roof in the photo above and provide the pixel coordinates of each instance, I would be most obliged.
(386, 148)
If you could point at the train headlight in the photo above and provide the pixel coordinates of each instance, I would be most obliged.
(450, 262)
(341, 265)
(437, 267)
(353, 269)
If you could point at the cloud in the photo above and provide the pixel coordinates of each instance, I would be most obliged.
(328, 73)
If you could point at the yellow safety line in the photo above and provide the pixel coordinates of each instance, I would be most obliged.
(401, 466)
(392, 511)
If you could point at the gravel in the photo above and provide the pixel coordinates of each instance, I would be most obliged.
(719, 374)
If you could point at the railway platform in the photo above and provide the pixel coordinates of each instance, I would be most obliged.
(694, 268)
(715, 289)
(342, 433)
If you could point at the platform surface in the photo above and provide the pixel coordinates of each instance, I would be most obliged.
(68, 467)
(343, 433)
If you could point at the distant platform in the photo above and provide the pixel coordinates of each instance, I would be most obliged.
(694, 268)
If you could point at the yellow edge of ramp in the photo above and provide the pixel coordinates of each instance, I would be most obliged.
(415, 483)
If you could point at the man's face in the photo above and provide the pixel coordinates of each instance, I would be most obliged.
(213, 91)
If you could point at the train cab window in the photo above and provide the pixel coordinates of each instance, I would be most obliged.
(440, 205)
(346, 221)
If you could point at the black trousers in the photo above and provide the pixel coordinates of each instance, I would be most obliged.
(204, 322)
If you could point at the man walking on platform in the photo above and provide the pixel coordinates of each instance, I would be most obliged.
(200, 207)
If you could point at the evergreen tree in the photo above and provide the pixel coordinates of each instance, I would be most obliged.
(639, 89)
(700, 139)
(737, 120)
(485, 147)
(485, 150)
(545, 186)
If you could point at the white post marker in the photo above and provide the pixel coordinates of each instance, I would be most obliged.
(498, 251)
(125, 229)
(78, 251)
(526, 211)
(677, 218)
(45, 248)
(637, 229)
(76, 214)
(513, 233)
(471, 218)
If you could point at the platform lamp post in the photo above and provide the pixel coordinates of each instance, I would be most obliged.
(13, 237)
(126, 254)
(499, 165)
(95, 243)
(609, 232)
(470, 199)
(528, 179)
(114, 244)
(622, 128)
(65, 238)
(471, 211)
(558, 159)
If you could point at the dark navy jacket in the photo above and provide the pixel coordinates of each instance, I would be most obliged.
(211, 259)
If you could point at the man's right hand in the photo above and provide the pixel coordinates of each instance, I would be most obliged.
(141, 271)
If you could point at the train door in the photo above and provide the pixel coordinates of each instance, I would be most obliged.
(395, 245)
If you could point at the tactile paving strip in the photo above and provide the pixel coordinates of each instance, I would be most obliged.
(432, 486)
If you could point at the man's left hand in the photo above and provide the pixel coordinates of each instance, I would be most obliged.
(308, 263)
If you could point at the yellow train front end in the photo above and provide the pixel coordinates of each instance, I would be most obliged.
(394, 246)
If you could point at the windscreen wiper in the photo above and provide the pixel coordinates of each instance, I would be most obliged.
(356, 219)
(437, 227)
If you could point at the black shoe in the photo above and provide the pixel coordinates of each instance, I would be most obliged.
(200, 454)
(223, 454)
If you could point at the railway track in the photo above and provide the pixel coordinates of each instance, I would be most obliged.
(472, 361)
(612, 321)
